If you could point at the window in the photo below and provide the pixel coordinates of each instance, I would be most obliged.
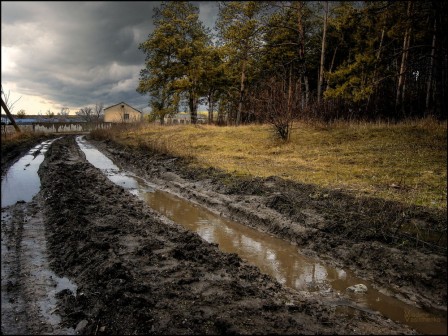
(126, 116)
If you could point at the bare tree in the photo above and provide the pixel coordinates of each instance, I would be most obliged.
(21, 114)
(65, 111)
(99, 111)
(278, 104)
(86, 113)
(49, 114)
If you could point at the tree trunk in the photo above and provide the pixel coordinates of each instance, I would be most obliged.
(302, 93)
(378, 55)
(401, 76)
(431, 68)
(322, 55)
(332, 59)
(290, 115)
(220, 120)
(210, 107)
(290, 93)
(305, 95)
(240, 104)
(307, 91)
(193, 108)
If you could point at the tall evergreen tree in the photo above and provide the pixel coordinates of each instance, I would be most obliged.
(216, 77)
(240, 29)
(175, 56)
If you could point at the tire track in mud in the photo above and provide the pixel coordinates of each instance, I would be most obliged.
(14, 313)
(342, 230)
(137, 272)
(28, 285)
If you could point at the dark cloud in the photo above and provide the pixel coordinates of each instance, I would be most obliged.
(79, 53)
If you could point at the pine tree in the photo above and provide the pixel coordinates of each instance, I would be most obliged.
(240, 29)
(175, 56)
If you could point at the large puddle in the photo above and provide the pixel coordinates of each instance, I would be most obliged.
(21, 181)
(271, 255)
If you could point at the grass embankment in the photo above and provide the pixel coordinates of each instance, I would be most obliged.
(405, 162)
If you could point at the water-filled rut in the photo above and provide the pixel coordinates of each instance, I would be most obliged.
(271, 255)
(29, 286)
(21, 181)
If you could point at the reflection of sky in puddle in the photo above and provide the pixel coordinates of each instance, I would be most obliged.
(48, 303)
(21, 181)
(113, 172)
(44, 283)
(271, 255)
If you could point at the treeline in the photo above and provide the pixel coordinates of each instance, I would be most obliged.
(276, 61)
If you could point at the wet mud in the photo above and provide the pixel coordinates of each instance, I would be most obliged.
(363, 234)
(359, 233)
(135, 271)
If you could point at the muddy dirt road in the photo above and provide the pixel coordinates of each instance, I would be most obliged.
(344, 230)
(107, 264)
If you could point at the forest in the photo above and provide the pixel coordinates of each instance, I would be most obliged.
(280, 61)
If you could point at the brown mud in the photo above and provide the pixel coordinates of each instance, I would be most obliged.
(138, 272)
(363, 234)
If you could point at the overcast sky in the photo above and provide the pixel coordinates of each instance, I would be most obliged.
(76, 54)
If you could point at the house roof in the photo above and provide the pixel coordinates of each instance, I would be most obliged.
(121, 104)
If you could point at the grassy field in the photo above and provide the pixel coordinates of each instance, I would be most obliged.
(406, 162)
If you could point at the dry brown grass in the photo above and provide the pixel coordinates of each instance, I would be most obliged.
(14, 139)
(405, 162)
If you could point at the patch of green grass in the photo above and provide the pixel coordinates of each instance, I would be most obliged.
(405, 162)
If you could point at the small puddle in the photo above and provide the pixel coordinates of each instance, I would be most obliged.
(271, 255)
(47, 283)
(21, 181)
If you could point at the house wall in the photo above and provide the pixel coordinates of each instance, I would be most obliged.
(116, 114)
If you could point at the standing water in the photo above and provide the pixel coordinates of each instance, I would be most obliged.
(21, 181)
(271, 255)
